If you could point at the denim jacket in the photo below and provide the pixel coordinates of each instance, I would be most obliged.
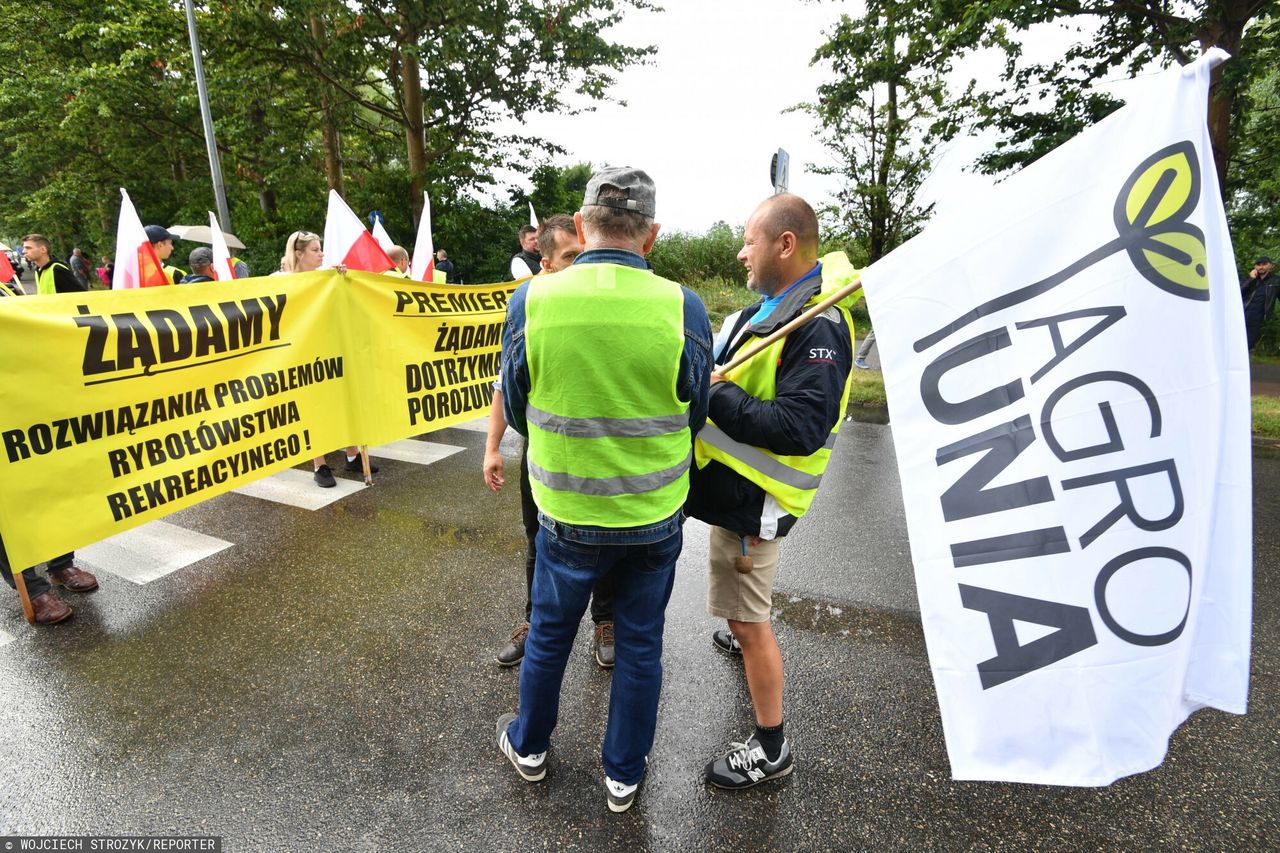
(692, 384)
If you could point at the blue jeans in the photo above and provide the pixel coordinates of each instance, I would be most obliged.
(566, 572)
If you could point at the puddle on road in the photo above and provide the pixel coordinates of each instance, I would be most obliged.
(846, 619)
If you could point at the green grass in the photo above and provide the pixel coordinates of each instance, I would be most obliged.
(1266, 417)
(867, 388)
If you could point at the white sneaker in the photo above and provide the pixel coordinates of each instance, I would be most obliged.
(620, 796)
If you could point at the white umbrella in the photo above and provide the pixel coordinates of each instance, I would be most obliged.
(4, 248)
(202, 234)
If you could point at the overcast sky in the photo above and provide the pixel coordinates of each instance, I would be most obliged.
(705, 117)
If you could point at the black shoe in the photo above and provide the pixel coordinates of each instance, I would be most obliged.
(356, 466)
(513, 652)
(745, 765)
(726, 642)
(324, 477)
(532, 768)
(602, 645)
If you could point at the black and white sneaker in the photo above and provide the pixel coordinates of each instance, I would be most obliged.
(620, 796)
(724, 640)
(532, 768)
(745, 765)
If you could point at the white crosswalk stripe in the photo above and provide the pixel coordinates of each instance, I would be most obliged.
(149, 552)
(298, 488)
(5, 639)
(419, 452)
(478, 425)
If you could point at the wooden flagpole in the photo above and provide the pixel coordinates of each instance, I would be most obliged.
(27, 609)
(799, 321)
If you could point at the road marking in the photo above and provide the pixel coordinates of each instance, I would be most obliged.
(478, 425)
(412, 450)
(5, 639)
(298, 488)
(150, 552)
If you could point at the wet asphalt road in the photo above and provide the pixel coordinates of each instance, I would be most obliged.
(329, 684)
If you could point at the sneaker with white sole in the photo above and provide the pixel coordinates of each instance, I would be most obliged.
(745, 765)
(725, 641)
(620, 796)
(532, 768)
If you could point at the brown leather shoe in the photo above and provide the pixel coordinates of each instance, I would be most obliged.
(513, 652)
(50, 610)
(73, 579)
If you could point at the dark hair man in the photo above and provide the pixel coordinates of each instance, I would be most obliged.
(1258, 291)
(605, 369)
(201, 262)
(771, 424)
(559, 246)
(52, 276)
(527, 261)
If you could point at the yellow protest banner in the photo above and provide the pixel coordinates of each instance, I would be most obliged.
(119, 407)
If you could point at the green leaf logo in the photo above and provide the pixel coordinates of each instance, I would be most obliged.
(1151, 213)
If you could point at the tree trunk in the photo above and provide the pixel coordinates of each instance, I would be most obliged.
(1226, 35)
(328, 128)
(415, 130)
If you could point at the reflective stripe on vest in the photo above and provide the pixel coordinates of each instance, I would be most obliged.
(791, 480)
(609, 442)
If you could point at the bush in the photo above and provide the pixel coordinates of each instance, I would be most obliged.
(710, 257)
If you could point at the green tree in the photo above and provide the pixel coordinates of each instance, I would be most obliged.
(881, 117)
(1043, 103)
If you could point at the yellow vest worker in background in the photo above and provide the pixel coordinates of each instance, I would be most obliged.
(605, 368)
(771, 425)
(162, 242)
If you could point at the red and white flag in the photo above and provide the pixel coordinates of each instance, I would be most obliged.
(380, 234)
(6, 268)
(423, 267)
(533, 217)
(224, 269)
(136, 261)
(348, 242)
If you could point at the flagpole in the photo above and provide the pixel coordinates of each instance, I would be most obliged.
(759, 346)
(215, 166)
(27, 609)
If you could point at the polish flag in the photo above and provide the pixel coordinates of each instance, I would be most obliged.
(423, 267)
(533, 218)
(223, 268)
(6, 268)
(348, 242)
(136, 261)
(380, 234)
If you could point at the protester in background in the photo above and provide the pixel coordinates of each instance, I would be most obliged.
(445, 266)
(201, 262)
(1258, 291)
(771, 424)
(527, 261)
(401, 259)
(162, 244)
(604, 368)
(303, 253)
(79, 268)
(864, 350)
(52, 276)
(559, 246)
(104, 272)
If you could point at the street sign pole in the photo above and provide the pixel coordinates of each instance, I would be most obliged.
(215, 166)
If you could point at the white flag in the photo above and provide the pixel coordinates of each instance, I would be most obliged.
(1067, 377)
(380, 234)
(136, 262)
(533, 219)
(423, 267)
(223, 268)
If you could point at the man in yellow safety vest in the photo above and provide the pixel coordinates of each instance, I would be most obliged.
(605, 368)
(772, 422)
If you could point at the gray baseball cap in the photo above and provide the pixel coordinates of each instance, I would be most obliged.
(201, 257)
(636, 182)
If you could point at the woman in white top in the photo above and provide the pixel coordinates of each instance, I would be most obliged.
(303, 253)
